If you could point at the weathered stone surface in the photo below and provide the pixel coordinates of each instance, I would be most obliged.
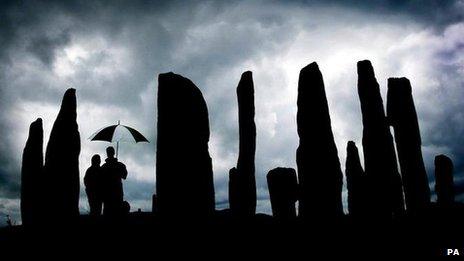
(184, 174)
(402, 115)
(62, 162)
(444, 182)
(245, 191)
(283, 192)
(319, 170)
(379, 153)
(32, 203)
(356, 182)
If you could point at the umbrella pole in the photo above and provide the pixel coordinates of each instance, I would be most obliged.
(117, 143)
(117, 148)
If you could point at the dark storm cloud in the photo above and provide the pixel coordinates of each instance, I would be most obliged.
(39, 29)
(112, 52)
(42, 27)
(21, 18)
(429, 11)
(44, 47)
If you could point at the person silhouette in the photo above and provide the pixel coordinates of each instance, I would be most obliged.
(113, 173)
(93, 186)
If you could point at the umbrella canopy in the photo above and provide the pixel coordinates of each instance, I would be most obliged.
(118, 133)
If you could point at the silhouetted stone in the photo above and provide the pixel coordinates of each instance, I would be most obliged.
(356, 182)
(319, 170)
(234, 194)
(379, 153)
(244, 203)
(62, 162)
(401, 114)
(283, 189)
(184, 174)
(154, 204)
(444, 183)
(32, 176)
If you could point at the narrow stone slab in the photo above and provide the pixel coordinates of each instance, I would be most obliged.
(319, 171)
(62, 161)
(402, 115)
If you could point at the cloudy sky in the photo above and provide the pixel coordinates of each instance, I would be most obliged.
(112, 52)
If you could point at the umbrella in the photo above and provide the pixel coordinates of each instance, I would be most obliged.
(118, 133)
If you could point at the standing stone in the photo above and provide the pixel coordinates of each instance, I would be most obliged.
(154, 204)
(379, 153)
(184, 173)
(319, 170)
(234, 192)
(245, 192)
(62, 162)
(402, 115)
(283, 189)
(31, 176)
(444, 183)
(356, 182)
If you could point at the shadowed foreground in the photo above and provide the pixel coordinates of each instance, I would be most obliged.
(258, 236)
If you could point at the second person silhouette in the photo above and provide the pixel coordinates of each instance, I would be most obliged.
(94, 185)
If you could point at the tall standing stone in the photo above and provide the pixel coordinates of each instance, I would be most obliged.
(32, 202)
(245, 191)
(444, 183)
(319, 173)
(184, 173)
(379, 153)
(154, 204)
(234, 193)
(283, 189)
(402, 115)
(62, 162)
(356, 182)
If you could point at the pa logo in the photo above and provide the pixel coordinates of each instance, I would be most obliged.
(452, 252)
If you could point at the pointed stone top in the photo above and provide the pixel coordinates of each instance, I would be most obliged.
(311, 73)
(168, 75)
(38, 121)
(247, 74)
(246, 77)
(70, 90)
(35, 127)
(310, 67)
(69, 104)
(69, 95)
(365, 68)
(351, 147)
